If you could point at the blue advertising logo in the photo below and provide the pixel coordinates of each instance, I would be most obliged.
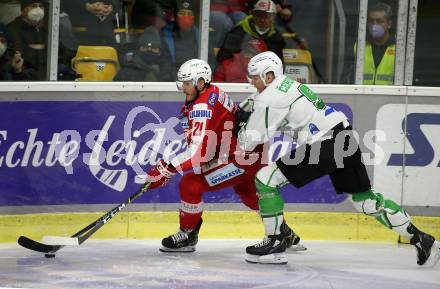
(423, 151)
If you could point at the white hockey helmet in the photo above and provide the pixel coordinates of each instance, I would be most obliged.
(193, 70)
(263, 63)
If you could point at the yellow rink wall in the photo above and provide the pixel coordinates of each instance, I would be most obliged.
(217, 224)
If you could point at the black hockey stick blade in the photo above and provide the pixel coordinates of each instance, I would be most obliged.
(37, 246)
(84, 233)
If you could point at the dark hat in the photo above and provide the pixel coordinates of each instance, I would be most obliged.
(25, 3)
(185, 4)
(150, 37)
(167, 4)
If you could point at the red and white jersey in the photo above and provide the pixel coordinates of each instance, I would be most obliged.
(210, 119)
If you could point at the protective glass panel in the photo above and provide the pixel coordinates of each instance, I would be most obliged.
(427, 57)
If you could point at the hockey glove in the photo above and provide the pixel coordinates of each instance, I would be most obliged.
(241, 118)
(160, 174)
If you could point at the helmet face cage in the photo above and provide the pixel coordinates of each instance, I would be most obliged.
(193, 70)
(263, 63)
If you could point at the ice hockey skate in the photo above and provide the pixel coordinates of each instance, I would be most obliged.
(269, 251)
(428, 249)
(184, 241)
(292, 239)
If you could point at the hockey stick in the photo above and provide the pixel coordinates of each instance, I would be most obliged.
(85, 233)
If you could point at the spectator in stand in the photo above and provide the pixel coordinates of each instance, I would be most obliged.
(380, 47)
(284, 14)
(29, 33)
(235, 69)
(12, 67)
(175, 22)
(94, 21)
(182, 36)
(147, 63)
(259, 25)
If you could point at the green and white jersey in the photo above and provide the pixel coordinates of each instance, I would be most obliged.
(291, 107)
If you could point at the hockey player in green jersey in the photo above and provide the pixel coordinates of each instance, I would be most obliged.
(323, 135)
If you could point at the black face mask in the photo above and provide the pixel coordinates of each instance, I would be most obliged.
(149, 57)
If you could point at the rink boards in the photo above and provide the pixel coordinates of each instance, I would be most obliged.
(76, 147)
(342, 226)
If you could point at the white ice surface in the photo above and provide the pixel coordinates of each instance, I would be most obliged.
(215, 264)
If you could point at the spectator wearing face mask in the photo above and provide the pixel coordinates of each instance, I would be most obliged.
(380, 47)
(181, 36)
(29, 33)
(259, 25)
(147, 63)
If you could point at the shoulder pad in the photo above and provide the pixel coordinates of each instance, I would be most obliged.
(209, 96)
(280, 93)
(212, 98)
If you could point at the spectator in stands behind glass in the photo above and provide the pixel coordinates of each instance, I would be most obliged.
(183, 40)
(284, 14)
(259, 25)
(175, 22)
(147, 63)
(235, 69)
(380, 47)
(94, 21)
(12, 66)
(29, 33)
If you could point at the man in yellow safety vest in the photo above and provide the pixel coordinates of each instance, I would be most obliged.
(380, 47)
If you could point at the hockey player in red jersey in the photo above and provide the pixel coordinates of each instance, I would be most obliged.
(208, 119)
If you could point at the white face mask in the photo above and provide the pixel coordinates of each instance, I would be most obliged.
(261, 32)
(2, 49)
(35, 14)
